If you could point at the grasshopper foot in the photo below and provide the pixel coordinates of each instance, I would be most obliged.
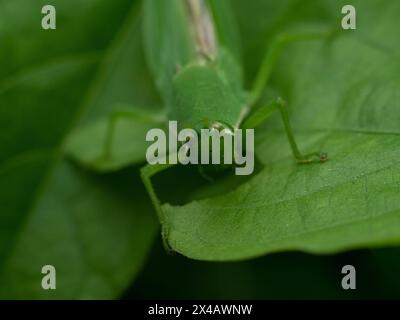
(313, 157)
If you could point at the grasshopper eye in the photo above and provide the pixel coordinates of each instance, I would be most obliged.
(220, 125)
(323, 157)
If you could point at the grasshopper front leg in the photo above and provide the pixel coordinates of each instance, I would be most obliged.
(147, 172)
(258, 116)
(254, 117)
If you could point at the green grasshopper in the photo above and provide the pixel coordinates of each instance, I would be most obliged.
(213, 68)
(191, 53)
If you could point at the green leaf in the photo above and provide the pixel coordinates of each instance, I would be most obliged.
(125, 131)
(343, 98)
(96, 230)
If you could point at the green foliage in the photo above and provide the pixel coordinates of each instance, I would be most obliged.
(89, 145)
(94, 230)
(59, 89)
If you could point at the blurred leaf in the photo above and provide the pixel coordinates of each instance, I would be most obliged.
(95, 230)
(343, 97)
(260, 21)
(127, 128)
